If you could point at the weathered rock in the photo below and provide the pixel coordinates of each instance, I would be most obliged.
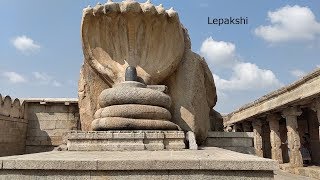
(116, 35)
(91, 84)
(160, 88)
(7, 104)
(192, 92)
(191, 139)
(136, 111)
(216, 121)
(133, 95)
(15, 110)
(119, 123)
(128, 84)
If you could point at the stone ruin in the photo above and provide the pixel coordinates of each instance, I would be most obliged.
(11, 108)
(141, 88)
(139, 73)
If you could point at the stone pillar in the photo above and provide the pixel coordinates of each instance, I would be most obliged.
(294, 145)
(316, 108)
(276, 152)
(246, 125)
(257, 137)
(234, 128)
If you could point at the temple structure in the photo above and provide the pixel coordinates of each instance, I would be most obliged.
(145, 109)
(285, 122)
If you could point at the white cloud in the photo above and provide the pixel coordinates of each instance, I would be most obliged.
(318, 66)
(298, 73)
(44, 78)
(41, 76)
(14, 77)
(247, 76)
(56, 83)
(219, 53)
(25, 44)
(244, 76)
(290, 23)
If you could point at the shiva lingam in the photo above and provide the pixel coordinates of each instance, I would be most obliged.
(131, 105)
(133, 116)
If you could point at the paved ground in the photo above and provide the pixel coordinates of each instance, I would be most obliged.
(210, 158)
(281, 175)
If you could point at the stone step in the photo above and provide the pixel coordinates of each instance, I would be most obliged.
(210, 163)
(125, 140)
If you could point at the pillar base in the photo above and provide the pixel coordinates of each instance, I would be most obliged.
(125, 140)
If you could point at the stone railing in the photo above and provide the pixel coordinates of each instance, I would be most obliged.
(13, 126)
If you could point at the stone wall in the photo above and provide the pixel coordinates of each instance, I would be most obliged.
(49, 120)
(13, 127)
(235, 141)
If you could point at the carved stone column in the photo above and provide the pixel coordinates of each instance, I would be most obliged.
(246, 125)
(257, 138)
(316, 108)
(293, 135)
(276, 152)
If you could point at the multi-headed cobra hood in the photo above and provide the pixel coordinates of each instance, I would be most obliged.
(118, 35)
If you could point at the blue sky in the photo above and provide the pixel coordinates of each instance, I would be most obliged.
(41, 50)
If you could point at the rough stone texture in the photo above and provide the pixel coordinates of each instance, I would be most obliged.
(133, 175)
(247, 126)
(119, 123)
(160, 51)
(212, 163)
(12, 135)
(313, 124)
(293, 135)
(282, 175)
(133, 95)
(231, 134)
(6, 106)
(125, 140)
(275, 140)
(305, 88)
(234, 141)
(140, 108)
(191, 139)
(257, 138)
(127, 35)
(192, 92)
(316, 108)
(13, 127)
(160, 88)
(48, 122)
(15, 109)
(91, 84)
(216, 121)
(134, 111)
(313, 172)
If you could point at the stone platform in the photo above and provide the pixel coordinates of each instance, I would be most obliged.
(235, 141)
(125, 140)
(309, 171)
(211, 163)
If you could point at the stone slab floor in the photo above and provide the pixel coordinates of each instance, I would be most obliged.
(282, 175)
(212, 163)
